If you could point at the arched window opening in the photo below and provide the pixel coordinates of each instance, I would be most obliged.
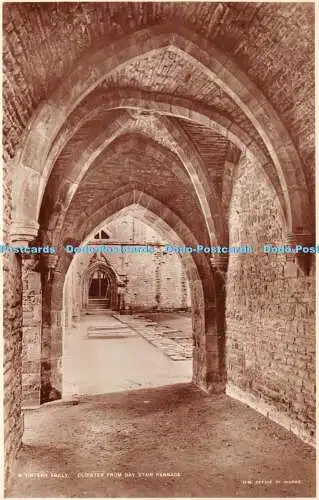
(102, 235)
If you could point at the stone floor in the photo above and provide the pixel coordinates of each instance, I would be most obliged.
(171, 441)
(103, 354)
(170, 332)
(181, 320)
(129, 425)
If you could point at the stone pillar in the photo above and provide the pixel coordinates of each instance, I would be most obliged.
(52, 331)
(214, 381)
(23, 230)
(198, 327)
(32, 327)
(216, 349)
(67, 310)
(206, 362)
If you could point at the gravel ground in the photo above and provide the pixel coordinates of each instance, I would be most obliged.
(210, 446)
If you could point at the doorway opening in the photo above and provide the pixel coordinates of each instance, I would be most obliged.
(148, 341)
(100, 290)
(100, 287)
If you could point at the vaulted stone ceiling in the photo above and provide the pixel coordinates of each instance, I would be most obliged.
(137, 163)
(170, 72)
(273, 43)
(131, 105)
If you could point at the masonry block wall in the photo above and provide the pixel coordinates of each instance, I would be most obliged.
(32, 324)
(72, 295)
(155, 282)
(143, 111)
(12, 338)
(270, 312)
(69, 310)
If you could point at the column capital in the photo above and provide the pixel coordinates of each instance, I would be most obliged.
(31, 261)
(23, 231)
(303, 260)
(219, 262)
(306, 239)
(50, 260)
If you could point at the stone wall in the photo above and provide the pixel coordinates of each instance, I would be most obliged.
(12, 339)
(154, 282)
(32, 324)
(270, 313)
(72, 290)
(270, 302)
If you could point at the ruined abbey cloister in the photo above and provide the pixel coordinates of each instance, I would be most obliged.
(154, 124)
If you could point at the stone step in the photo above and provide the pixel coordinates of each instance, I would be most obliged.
(93, 308)
(95, 301)
(98, 302)
(97, 311)
(111, 333)
(121, 326)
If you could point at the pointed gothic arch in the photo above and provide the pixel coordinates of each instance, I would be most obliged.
(207, 302)
(103, 267)
(31, 169)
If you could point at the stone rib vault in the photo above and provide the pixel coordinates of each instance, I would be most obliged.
(196, 119)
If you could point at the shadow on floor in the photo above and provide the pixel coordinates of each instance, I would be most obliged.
(171, 441)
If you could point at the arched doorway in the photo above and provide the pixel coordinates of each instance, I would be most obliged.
(100, 286)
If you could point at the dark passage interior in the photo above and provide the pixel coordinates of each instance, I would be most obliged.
(100, 286)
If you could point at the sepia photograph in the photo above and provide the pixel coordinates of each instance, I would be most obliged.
(158, 249)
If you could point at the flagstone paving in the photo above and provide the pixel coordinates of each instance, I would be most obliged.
(175, 343)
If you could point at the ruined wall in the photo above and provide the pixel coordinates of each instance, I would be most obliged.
(12, 338)
(72, 291)
(270, 313)
(32, 324)
(154, 281)
(67, 310)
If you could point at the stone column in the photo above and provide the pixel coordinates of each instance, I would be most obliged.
(199, 333)
(23, 230)
(52, 331)
(206, 362)
(219, 263)
(32, 327)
